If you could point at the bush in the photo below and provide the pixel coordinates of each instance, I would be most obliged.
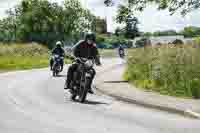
(168, 70)
(110, 42)
(177, 41)
(196, 42)
(195, 88)
(23, 56)
(31, 49)
(142, 42)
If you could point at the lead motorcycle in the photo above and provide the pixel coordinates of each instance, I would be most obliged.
(56, 68)
(82, 79)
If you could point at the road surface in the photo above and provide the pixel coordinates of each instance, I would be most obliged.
(35, 102)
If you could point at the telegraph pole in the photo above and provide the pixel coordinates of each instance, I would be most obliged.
(108, 3)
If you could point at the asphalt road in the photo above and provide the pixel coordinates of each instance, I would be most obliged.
(35, 102)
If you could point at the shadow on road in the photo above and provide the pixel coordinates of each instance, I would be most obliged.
(115, 81)
(94, 103)
(60, 76)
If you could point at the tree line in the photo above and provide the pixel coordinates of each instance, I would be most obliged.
(188, 32)
(45, 22)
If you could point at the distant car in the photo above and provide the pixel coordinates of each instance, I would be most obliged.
(177, 42)
(105, 46)
(101, 45)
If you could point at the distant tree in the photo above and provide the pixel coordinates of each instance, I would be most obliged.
(147, 34)
(132, 30)
(125, 16)
(45, 22)
(177, 42)
(122, 14)
(191, 31)
(119, 31)
(165, 33)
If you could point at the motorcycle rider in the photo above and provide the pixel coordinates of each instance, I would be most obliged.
(121, 51)
(58, 50)
(85, 49)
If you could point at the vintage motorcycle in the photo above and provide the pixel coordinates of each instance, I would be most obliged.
(82, 79)
(56, 69)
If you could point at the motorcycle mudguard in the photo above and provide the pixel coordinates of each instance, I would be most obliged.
(88, 75)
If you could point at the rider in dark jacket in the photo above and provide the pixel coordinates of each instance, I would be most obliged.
(121, 51)
(58, 50)
(85, 49)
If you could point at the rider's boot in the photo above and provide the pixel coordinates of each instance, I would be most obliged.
(90, 89)
(67, 84)
(61, 69)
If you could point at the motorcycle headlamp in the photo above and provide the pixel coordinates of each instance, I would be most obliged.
(89, 63)
(56, 56)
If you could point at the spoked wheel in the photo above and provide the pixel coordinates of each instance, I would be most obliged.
(84, 90)
(73, 92)
(54, 73)
(54, 70)
(73, 97)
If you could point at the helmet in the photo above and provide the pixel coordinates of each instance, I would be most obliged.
(58, 44)
(90, 36)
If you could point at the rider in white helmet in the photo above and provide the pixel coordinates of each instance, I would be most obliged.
(58, 50)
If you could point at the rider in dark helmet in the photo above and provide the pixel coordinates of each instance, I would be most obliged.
(58, 50)
(85, 49)
(121, 51)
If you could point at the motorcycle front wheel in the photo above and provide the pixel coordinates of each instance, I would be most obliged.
(54, 73)
(73, 97)
(84, 90)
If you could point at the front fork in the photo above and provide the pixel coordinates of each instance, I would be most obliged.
(90, 75)
(87, 75)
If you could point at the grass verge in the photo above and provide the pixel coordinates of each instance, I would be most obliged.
(173, 71)
(23, 56)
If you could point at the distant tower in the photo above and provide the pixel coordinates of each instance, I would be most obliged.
(100, 25)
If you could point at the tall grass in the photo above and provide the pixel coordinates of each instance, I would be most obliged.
(23, 56)
(171, 71)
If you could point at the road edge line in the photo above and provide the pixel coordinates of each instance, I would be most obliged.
(186, 113)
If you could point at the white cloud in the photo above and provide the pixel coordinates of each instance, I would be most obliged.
(5, 5)
(150, 19)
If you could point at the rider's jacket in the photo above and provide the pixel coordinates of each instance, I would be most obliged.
(85, 50)
(58, 51)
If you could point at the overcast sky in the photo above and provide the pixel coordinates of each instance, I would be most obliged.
(150, 19)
